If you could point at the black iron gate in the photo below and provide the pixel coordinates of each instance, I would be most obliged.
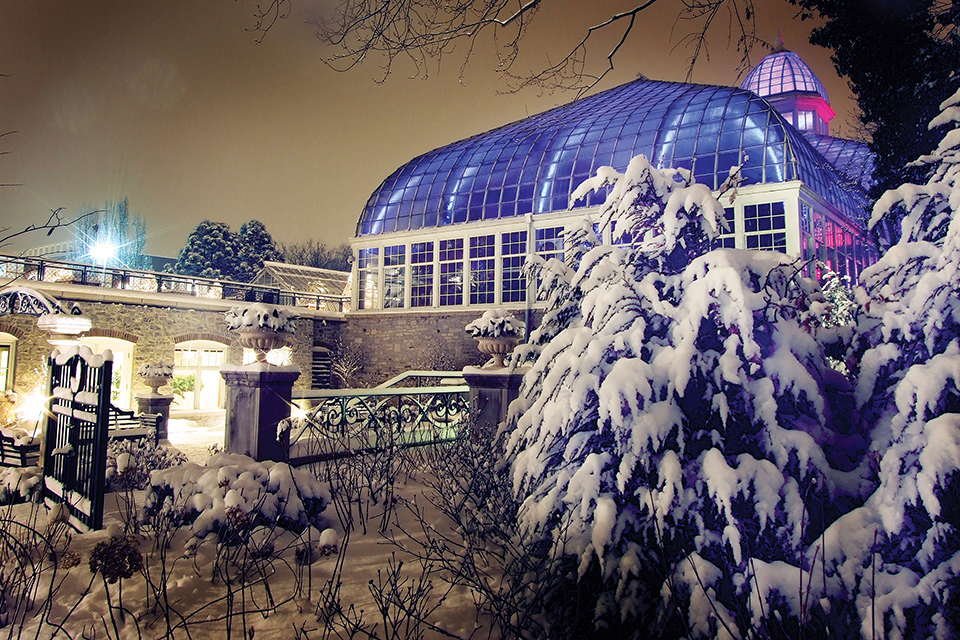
(75, 444)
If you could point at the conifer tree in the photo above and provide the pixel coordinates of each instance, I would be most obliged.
(210, 252)
(256, 246)
(895, 561)
(674, 437)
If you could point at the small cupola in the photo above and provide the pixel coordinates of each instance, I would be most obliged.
(791, 87)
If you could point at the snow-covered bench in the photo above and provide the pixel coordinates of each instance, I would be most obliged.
(18, 449)
(129, 426)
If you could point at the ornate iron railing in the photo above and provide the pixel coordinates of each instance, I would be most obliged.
(46, 270)
(346, 422)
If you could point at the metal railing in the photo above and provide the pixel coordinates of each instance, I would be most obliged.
(346, 422)
(46, 270)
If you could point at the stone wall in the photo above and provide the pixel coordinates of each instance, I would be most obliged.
(155, 331)
(391, 343)
(386, 343)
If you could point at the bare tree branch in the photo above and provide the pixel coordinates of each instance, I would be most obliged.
(267, 15)
(424, 31)
(54, 222)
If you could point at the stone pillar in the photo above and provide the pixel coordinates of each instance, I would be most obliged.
(258, 398)
(491, 392)
(154, 403)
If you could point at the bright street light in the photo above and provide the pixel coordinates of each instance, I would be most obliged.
(103, 252)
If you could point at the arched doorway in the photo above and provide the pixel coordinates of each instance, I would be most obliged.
(197, 383)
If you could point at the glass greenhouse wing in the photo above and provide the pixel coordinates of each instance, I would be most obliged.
(532, 166)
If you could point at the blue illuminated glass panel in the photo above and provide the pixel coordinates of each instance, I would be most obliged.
(764, 217)
(727, 238)
(768, 242)
(783, 72)
(531, 166)
(549, 243)
(764, 225)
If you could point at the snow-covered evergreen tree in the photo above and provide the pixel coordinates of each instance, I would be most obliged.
(256, 246)
(670, 437)
(210, 252)
(896, 560)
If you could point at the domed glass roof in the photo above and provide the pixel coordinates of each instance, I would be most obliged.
(783, 72)
(532, 166)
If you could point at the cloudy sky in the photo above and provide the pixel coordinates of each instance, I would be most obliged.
(175, 106)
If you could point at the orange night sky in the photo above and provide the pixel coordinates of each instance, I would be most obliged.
(174, 105)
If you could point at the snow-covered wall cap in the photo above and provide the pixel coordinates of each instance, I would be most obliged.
(85, 352)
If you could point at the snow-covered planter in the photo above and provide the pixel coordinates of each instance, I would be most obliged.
(496, 323)
(497, 332)
(155, 374)
(261, 327)
(233, 492)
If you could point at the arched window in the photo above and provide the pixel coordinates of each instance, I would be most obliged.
(120, 389)
(197, 383)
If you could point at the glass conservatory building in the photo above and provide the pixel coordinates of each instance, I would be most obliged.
(451, 228)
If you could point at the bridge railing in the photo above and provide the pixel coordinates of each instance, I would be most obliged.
(47, 270)
(345, 422)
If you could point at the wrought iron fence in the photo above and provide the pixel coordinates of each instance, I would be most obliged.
(346, 422)
(46, 270)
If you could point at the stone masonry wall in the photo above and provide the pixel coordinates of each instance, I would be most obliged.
(155, 331)
(387, 343)
(391, 343)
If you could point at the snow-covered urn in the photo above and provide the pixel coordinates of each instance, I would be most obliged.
(155, 374)
(261, 327)
(674, 440)
(497, 332)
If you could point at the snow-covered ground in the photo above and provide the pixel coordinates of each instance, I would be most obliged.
(195, 437)
(284, 601)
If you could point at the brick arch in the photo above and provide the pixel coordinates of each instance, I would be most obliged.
(112, 333)
(222, 338)
(16, 332)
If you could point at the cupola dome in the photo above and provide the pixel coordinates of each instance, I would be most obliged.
(783, 72)
(788, 84)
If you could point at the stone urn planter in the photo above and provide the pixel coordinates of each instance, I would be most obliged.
(497, 348)
(497, 332)
(261, 327)
(155, 382)
(155, 374)
(262, 341)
